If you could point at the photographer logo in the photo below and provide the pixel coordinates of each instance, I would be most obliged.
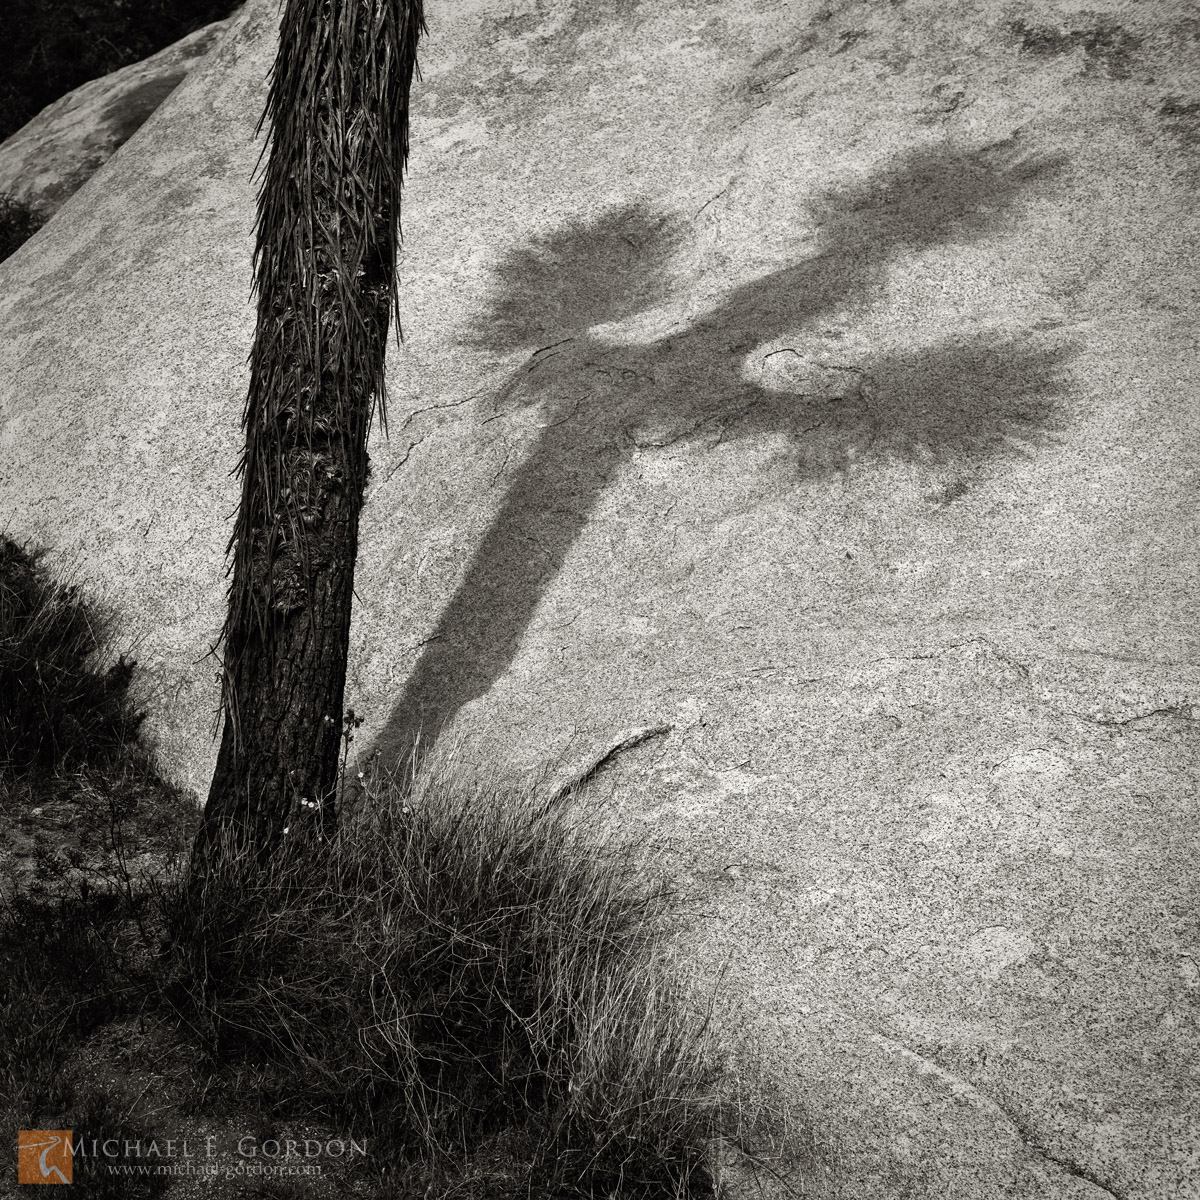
(44, 1156)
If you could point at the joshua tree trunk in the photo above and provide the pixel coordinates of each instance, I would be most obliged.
(325, 274)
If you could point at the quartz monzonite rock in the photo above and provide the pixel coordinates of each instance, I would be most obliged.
(817, 382)
(52, 156)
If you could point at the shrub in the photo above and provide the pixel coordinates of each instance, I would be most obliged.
(55, 705)
(18, 223)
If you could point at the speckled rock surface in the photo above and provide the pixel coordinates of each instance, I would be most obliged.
(52, 156)
(818, 381)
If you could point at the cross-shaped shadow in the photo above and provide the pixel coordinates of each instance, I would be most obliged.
(961, 399)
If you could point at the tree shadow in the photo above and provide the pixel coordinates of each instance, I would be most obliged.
(962, 399)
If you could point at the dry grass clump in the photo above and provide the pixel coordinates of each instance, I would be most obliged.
(487, 985)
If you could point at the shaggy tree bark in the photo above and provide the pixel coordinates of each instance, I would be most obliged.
(325, 274)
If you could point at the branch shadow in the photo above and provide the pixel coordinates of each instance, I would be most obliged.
(966, 398)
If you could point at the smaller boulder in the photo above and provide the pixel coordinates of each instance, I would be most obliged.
(54, 155)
